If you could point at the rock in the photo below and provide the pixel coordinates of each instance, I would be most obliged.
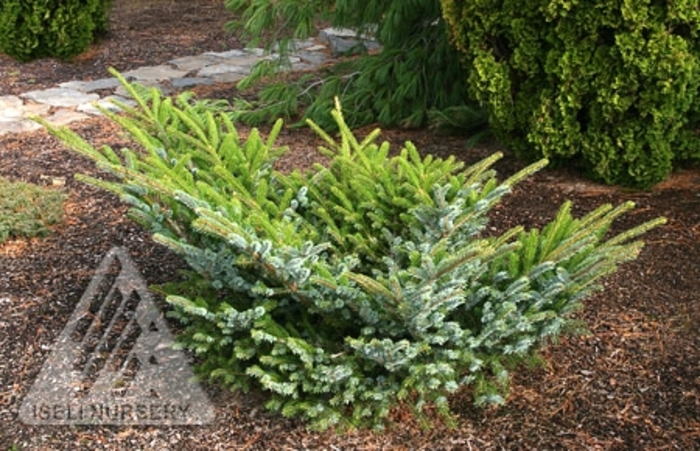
(247, 61)
(76, 100)
(229, 77)
(11, 114)
(121, 90)
(222, 68)
(15, 113)
(155, 73)
(10, 102)
(187, 82)
(276, 56)
(90, 86)
(35, 109)
(314, 58)
(65, 116)
(304, 44)
(228, 54)
(106, 103)
(303, 66)
(296, 44)
(342, 41)
(60, 97)
(18, 126)
(316, 48)
(191, 63)
(344, 33)
(255, 51)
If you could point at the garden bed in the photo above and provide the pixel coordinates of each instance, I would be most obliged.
(632, 383)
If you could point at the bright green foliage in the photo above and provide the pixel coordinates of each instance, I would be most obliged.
(611, 84)
(417, 70)
(31, 29)
(349, 288)
(28, 210)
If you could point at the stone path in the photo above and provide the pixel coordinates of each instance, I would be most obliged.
(76, 100)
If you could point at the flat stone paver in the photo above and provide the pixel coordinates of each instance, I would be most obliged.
(35, 109)
(60, 97)
(221, 68)
(147, 83)
(316, 48)
(192, 63)
(18, 113)
(90, 86)
(236, 53)
(11, 113)
(231, 77)
(188, 82)
(256, 52)
(276, 56)
(303, 66)
(77, 100)
(10, 102)
(106, 103)
(314, 58)
(18, 126)
(65, 117)
(158, 73)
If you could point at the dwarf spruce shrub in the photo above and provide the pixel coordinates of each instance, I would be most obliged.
(31, 29)
(611, 85)
(347, 289)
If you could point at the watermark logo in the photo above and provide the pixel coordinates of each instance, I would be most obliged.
(114, 362)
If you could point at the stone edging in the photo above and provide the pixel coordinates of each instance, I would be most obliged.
(76, 100)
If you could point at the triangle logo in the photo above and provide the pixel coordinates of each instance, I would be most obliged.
(114, 362)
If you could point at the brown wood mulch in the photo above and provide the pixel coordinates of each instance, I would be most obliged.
(631, 383)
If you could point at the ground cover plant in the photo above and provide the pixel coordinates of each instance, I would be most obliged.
(28, 210)
(357, 285)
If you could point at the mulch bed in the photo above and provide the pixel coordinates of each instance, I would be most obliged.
(631, 383)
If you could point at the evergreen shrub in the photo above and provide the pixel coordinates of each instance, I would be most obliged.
(352, 287)
(613, 86)
(31, 29)
(416, 72)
